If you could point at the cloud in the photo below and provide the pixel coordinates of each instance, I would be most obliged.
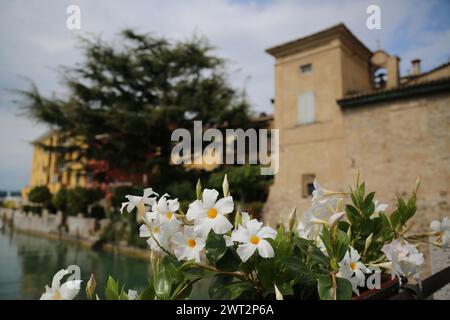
(35, 41)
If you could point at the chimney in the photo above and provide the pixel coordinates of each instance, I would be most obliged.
(416, 67)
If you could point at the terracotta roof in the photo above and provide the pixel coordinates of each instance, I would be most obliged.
(402, 91)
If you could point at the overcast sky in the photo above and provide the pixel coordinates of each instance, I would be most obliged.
(34, 41)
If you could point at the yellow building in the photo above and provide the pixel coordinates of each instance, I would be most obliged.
(53, 169)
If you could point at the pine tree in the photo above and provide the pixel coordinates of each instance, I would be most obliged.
(124, 101)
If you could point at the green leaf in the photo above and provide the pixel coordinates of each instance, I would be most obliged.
(148, 294)
(326, 290)
(193, 273)
(162, 284)
(327, 241)
(230, 261)
(313, 256)
(342, 245)
(222, 288)
(352, 214)
(395, 219)
(368, 205)
(215, 247)
(112, 289)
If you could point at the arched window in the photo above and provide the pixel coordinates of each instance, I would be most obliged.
(380, 78)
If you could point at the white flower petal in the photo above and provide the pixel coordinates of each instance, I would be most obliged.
(435, 226)
(56, 282)
(149, 192)
(265, 250)
(162, 206)
(225, 205)
(245, 218)
(144, 232)
(228, 241)
(253, 226)
(267, 232)
(124, 204)
(245, 251)
(203, 227)
(196, 211)
(69, 289)
(174, 205)
(210, 197)
(240, 235)
(132, 294)
(221, 225)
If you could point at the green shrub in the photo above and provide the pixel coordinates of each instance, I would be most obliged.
(40, 194)
(79, 199)
(246, 181)
(59, 200)
(97, 212)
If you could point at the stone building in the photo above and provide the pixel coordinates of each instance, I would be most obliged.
(341, 107)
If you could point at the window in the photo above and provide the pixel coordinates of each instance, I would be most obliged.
(306, 68)
(306, 108)
(307, 185)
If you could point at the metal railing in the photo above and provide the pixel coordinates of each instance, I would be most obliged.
(428, 286)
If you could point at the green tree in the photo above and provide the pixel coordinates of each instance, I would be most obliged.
(124, 101)
(59, 200)
(245, 181)
(79, 199)
(40, 195)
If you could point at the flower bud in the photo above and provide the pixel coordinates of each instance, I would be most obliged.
(368, 243)
(278, 294)
(198, 190)
(417, 185)
(292, 219)
(237, 218)
(90, 287)
(225, 186)
(335, 218)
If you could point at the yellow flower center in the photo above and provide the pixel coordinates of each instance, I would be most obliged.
(353, 266)
(254, 239)
(169, 215)
(212, 213)
(155, 229)
(57, 295)
(191, 243)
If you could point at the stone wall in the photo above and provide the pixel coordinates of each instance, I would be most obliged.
(77, 227)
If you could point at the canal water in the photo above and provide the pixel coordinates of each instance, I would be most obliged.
(28, 263)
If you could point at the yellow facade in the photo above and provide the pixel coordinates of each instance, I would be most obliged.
(52, 169)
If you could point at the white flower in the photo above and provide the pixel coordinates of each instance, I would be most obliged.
(209, 214)
(443, 228)
(311, 222)
(352, 269)
(228, 241)
(188, 244)
(132, 294)
(156, 232)
(67, 291)
(166, 210)
(139, 202)
(405, 258)
(252, 235)
(320, 193)
(379, 207)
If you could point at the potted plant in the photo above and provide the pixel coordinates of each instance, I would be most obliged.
(336, 250)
